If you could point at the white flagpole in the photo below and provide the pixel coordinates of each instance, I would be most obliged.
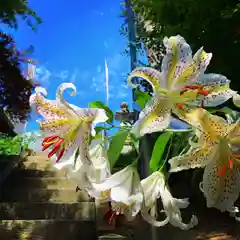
(106, 82)
(107, 95)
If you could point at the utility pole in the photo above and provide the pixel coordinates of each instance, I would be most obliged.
(131, 40)
(143, 143)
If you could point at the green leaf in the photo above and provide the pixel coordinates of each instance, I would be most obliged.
(99, 104)
(158, 150)
(224, 110)
(135, 142)
(98, 129)
(141, 98)
(116, 146)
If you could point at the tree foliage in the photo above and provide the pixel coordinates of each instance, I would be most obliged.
(15, 90)
(213, 24)
(12, 10)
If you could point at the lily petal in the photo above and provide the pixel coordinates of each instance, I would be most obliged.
(196, 158)
(59, 96)
(116, 179)
(99, 115)
(171, 208)
(218, 87)
(215, 98)
(134, 201)
(151, 75)
(47, 108)
(212, 80)
(236, 100)
(55, 126)
(221, 191)
(155, 117)
(200, 62)
(177, 59)
(151, 220)
(211, 125)
(151, 189)
(182, 203)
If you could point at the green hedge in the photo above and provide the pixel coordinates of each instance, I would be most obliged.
(10, 145)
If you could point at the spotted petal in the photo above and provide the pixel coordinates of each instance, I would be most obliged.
(221, 191)
(218, 87)
(195, 158)
(151, 75)
(216, 98)
(47, 108)
(211, 80)
(177, 59)
(155, 117)
(198, 66)
(212, 125)
(55, 126)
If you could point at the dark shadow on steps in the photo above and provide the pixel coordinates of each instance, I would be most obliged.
(32, 207)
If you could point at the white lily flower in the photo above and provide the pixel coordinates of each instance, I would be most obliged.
(85, 175)
(154, 187)
(125, 192)
(68, 126)
(180, 84)
(217, 151)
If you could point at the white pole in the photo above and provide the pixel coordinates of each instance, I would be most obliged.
(107, 97)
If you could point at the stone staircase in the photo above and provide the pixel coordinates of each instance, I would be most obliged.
(38, 202)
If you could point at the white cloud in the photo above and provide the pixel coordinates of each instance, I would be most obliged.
(106, 45)
(92, 81)
(63, 75)
(74, 76)
(42, 75)
(117, 86)
(99, 68)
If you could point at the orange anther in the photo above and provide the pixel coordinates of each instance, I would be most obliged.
(221, 171)
(231, 163)
(205, 93)
(180, 106)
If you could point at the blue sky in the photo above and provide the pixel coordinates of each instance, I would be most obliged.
(71, 45)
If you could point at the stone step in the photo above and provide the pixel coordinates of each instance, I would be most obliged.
(42, 183)
(113, 236)
(43, 195)
(37, 173)
(38, 164)
(47, 230)
(84, 211)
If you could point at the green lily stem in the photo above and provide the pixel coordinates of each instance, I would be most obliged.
(135, 162)
(120, 127)
(161, 169)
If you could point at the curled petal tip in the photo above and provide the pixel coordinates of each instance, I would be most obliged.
(41, 90)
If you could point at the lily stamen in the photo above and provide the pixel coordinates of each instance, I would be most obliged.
(56, 142)
(231, 163)
(180, 106)
(222, 171)
(48, 139)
